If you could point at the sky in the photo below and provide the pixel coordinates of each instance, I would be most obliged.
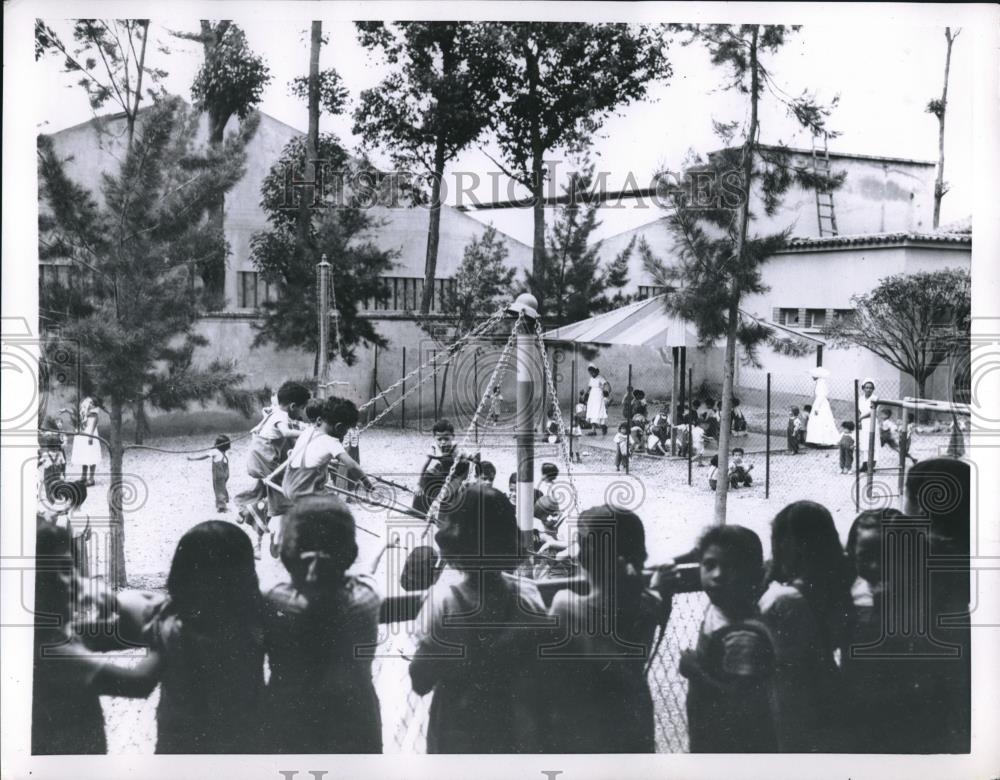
(884, 74)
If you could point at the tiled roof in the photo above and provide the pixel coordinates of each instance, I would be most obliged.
(879, 238)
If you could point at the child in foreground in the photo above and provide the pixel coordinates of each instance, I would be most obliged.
(320, 697)
(730, 670)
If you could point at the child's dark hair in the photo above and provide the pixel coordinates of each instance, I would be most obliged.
(736, 401)
(293, 393)
(487, 470)
(314, 409)
(639, 394)
(714, 461)
(480, 531)
(74, 494)
(740, 450)
(443, 426)
(695, 403)
(513, 478)
(940, 489)
(623, 427)
(869, 520)
(339, 411)
(885, 411)
(910, 417)
(550, 470)
(847, 425)
(320, 524)
(742, 542)
(606, 533)
(710, 403)
(212, 579)
(222, 443)
(807, 407)
(795, 411)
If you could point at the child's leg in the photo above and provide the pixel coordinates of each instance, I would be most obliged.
(219, 486)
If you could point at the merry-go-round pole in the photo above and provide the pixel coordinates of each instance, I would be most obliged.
(524, 423)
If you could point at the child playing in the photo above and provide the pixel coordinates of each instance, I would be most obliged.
(738, 423)
(440, 458)
(496, 405)
(639, 405)
(710, 420)
(888, 433)
(637, 437)
(271, 440)
(804, 428)
(739, 473)
(846, 447)
(320, 697)
(697, 443)
(794, 429)
(220, 471)
(487, 473)
(478, 635)
(622, 442)
(729, 672)
(627, 403)
(656, 444)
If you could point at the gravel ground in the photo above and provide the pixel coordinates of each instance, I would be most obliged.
(178, 494)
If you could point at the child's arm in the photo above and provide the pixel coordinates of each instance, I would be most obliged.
(287, 430)
(354, 470)
(136, 682)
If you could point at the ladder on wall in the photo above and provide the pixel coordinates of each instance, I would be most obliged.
(826, 217)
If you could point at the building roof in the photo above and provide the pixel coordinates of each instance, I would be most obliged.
(850, 155)
(878, 239)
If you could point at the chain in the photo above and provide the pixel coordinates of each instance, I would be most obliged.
(435, 508)
(450, 351)
(561, 425)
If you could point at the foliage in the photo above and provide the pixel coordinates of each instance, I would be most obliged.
(342, 228)
(915, 322)
(333, 95)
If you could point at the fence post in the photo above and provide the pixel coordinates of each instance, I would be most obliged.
(857, 450)
(690, 416)
(434, 367)
(871, 447)
(572, 403)
(767, 441)
(374, 407)
(402, 413)
(903, 447)
(475, 392)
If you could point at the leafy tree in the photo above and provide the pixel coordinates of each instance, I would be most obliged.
(140, 238)
(719, 261)
(938, 108)
(343, 230)
(433, 104)
(914, 322)
(558, 84)
(576, 285)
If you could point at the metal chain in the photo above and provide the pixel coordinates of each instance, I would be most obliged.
(560, 424)
(435, 508)
(390, 407)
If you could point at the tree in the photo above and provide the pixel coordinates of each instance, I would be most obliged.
(914, 322)
(343, 230)
(558, 84)
(576, 285)
(134, 331)
(434, 103)
(939, 108)
(482, 283)
(719, 261)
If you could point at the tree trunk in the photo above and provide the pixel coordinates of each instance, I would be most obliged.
(537, 182)
(308, 192)
(729, 368)
(116, 576)
(939, 184)
(434, 228)
(141, 422)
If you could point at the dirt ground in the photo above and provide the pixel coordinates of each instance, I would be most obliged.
(178, 494)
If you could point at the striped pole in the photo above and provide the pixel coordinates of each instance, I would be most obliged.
(524, 428)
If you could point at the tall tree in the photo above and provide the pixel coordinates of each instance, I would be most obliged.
(434, 103)
(343, 230)
(576, 284)
(914, 322)
(719, 261)
(134, 332)
(558, 83)
(939, 109)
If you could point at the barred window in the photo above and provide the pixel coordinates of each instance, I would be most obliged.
(403, 293)
(252, 290)
(650, 291)
(787, 317)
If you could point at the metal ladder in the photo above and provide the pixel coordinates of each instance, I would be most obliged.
(826, 217)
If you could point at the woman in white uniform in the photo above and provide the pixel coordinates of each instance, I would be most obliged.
(597, 400)
(86, 445)
(822, 430)
(865, 417)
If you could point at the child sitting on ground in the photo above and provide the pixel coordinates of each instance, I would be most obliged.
(320, 697)
(710, 419)
(730, 669)
(220, 471)
(739, 472)
(738, 423)
(639, 405)
(622, 442)
(846, 447)
(793, 430)
(637, 437)
(656, 444)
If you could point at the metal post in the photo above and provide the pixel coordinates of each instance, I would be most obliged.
(871, 446)
(475, 392)
(819, 355)
(524, 428)
(676, 379)
(690, 416)
(402, 390)
(374, 407)
(902, 443)
(545, 407)
(572, 403)
(857, 450)
(434, 367)
(323, 294)
(767, 441)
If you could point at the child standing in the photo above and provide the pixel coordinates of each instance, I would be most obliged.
(730, 670)
(804, 428)
(320, 697)
(713, 473)
(438, 463)
(846, 447)
(698, 443)
(220, 471)
(622, 443)
(794, 429)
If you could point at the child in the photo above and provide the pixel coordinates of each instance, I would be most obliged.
(713, 474)
(627, 400)
(804, 428)
(637, 438)
(320, 697)
(271, 440)
(888, 433)
(220, 471)
(846, 447)
(906, 435)
(656, 442)
(487, 473)
(440, 458)
(730, 669)
(621, 442)
(739, 473)
(206, 646)
(794, 429)
(478, 635)
(639, 405)
(697, 443)
(66, 511)
(738, 423)
(710, 420)
(51, 458)
(496, 405)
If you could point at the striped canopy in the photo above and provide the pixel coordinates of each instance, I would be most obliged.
(641, 324)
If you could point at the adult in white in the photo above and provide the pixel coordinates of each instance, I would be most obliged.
(822, 429)
(597, 400)
(865, 417)
(86, 445)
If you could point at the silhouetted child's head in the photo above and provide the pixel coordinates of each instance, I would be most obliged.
(847, 426)
(732, 567)
(639, 395)
(478, 532)
(736, 402)
(805, 548)
(444, 436)
(550, 472)
(314, 409)
(212, 578)
(54, 579)
(939, 489)
(293, 397)
(222, 443)
(864, 543)
(910, 417)
(338, 415)
(709, 403)
(605, 533)
(794, 411)
(487, 472)
(623, 428)
(807, 408)
(318, 544)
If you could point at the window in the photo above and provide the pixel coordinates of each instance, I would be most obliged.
(787, 317)
(403, 293)
(650, 291)
(843, 315)
(815, 318)
(252, 290)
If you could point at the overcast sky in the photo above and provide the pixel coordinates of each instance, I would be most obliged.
(884, 75)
